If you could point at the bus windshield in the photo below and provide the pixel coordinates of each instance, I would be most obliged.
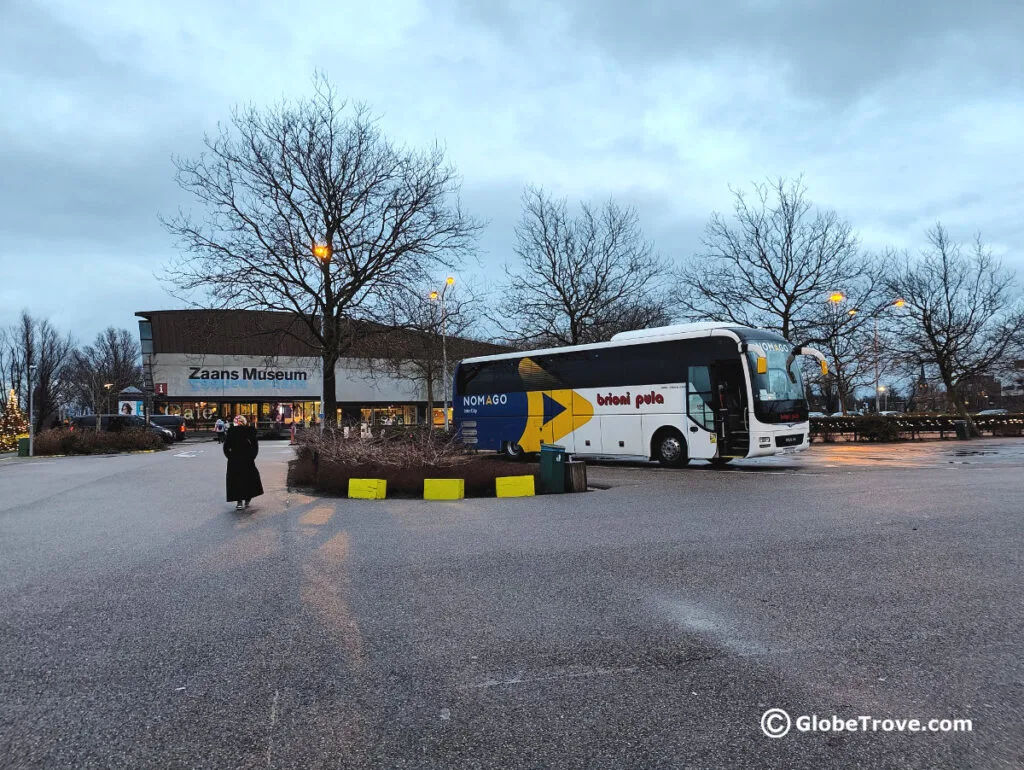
(780, 390)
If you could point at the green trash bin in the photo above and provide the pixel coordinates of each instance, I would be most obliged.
(22, 447)
(552, 469)
(961, 429)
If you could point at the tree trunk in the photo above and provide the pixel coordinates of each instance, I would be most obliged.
(329, 405)
(953, 392)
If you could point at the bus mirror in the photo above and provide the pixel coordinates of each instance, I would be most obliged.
(762, 365)
(824, 366)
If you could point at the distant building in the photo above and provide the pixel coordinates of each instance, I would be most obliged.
(982, 392)
(210, 364)
(1013, 394)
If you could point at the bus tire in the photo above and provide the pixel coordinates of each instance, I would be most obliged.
(512, 450)
(668, 447)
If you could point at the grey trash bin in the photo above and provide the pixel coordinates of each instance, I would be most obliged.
(961, 429)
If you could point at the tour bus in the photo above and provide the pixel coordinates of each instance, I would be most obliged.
(703, 391)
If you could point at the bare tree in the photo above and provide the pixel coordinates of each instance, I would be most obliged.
(964, 313)
(773, 265)
(311, 211)
(580, 279)
(852, 329)
(112, 359)
(34, 342)
(419, 338)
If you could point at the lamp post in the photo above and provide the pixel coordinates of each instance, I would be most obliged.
(31, 411)
(322, 252)
(834, 299)
(449, 281)
(108, 386)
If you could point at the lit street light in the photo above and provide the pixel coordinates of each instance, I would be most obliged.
(322, 252)
(449, 281)
(835, 298)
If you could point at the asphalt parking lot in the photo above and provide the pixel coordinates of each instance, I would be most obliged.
(649, 623)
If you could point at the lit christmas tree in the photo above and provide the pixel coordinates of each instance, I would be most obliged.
(12, 424)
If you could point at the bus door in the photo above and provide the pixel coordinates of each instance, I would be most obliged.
(729, 391)
(701, 439)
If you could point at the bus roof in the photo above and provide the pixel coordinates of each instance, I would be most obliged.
(640, 336)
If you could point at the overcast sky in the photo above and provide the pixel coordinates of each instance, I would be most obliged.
(897, 114)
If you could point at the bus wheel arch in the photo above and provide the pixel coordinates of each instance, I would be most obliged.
(668, 447)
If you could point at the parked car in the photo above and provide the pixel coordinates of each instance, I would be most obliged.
(890, 413)
(119, 422)
(991, 412)
(850, 413)
(174, 423)
(813, 415)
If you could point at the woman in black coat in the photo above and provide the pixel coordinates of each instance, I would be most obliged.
(241, 448)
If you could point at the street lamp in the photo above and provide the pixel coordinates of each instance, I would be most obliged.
(31, 411)
(108, 386)
(835, 299)
(322, 252)
(448, 282)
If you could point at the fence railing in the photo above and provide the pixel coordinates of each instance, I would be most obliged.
(877, 427)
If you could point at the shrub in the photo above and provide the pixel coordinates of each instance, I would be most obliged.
(88, 442)
(876, 427)
(403, 456)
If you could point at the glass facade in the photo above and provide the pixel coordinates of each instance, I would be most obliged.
(202, 415)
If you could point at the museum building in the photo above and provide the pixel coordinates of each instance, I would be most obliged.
(210, 364)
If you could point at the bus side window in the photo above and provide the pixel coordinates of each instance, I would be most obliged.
(699, 396)
(504, 377)
(471, 379)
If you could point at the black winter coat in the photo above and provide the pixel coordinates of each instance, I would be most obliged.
(243, 478)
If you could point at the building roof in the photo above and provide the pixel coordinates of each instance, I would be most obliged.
(264, 333)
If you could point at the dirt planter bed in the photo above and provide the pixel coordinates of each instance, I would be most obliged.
(332, 477)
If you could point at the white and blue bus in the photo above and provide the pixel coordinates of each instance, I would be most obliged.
(704, 391)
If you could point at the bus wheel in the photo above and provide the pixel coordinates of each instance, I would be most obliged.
(512, 450)
(670, 449)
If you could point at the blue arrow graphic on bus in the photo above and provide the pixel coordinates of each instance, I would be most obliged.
(552, 408)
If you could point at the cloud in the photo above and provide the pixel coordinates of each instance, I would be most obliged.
(896, 115)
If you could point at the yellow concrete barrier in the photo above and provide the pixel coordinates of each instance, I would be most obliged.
(444, 489)
(367, 489)
(514, 486)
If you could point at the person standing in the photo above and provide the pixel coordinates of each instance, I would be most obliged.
(243, 477)
(218, 430)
